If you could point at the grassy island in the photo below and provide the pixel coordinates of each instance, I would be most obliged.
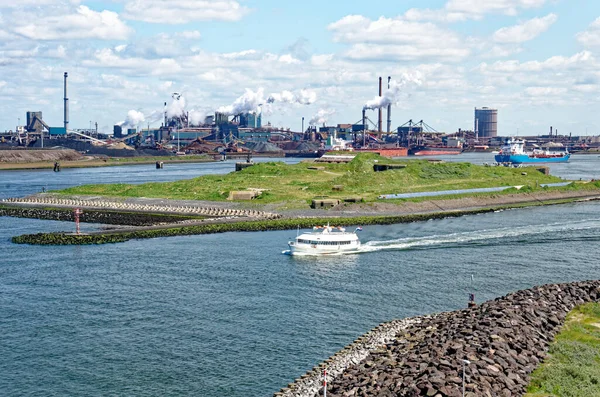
(295, 185)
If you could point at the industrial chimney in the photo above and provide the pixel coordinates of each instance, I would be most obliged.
(380, 122)
(389, 110)
(66, 118)
(165, 114)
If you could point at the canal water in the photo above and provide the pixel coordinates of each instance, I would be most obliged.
(228, 314)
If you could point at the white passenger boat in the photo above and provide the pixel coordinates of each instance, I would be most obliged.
(325, 240)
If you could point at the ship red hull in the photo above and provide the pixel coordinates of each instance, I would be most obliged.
(386, 152)
(436, 152)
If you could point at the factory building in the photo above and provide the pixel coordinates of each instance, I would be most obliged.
(486, 122)
(250, 120)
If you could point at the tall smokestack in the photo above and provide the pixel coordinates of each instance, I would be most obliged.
(389, 110)
(364, 120)
(165, 114)
(66, 116)
(380, 122)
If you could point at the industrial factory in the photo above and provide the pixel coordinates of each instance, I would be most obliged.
(239, 128)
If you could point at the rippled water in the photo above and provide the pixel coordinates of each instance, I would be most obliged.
(229, 315)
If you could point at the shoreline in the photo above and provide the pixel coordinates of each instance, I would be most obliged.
(424, 355)
(96, 163)
(231, 218)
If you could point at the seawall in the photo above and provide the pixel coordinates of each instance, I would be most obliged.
(503, 341)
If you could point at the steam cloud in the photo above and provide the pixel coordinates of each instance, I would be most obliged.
(197, 117)
(256, 102)
(392, 94)
(321, 116)
(249, 102)
(134, 118)
(177, 107)
(303, 97)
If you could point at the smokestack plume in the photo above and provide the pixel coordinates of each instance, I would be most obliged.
(66, 115)
(380, 122)
(389, 110)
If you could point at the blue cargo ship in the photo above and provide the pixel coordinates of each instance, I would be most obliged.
(513, 152)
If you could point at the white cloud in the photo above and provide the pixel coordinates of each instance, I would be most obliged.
(462, 10)
(241, 54)
(581, 60)
(525, 31)
(84, 24)
(501, 51)
(30, 3)
(478, 8)
(184, 11)
(396, 38)
(591, 36)
(287, 58)
(190, 35)
(58, 52)
(545, 91)
(322, 59)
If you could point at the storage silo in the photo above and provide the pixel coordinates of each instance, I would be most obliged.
(486, 122)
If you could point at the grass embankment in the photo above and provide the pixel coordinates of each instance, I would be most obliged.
(297, 184)
(573, 365)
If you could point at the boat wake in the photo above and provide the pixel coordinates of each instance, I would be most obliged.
(437, 241)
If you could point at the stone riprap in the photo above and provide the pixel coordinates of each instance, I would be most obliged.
(99, 216)
(149, 208)
(502, 340)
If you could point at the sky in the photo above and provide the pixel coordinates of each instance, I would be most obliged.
(536, 61)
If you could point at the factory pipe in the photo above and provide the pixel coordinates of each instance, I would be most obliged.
(389, 111)
(380, 122)
(66, 115)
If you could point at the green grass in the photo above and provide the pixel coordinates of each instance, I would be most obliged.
(573, 366)
(296, 184)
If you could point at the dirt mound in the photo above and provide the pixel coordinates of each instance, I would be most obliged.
(120, 145)
(263, 147)
(32, 156)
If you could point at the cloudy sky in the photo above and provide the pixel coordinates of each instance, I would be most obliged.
(537, 61)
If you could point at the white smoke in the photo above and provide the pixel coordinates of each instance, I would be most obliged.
(392, 94)
(197, 117)
(321, 117)
(249, 102)
(303, 97)
(177, 107)
(134, 118)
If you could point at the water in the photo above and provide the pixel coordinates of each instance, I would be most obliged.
(229, 315)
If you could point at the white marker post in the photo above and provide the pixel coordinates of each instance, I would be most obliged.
(77, 212)
(467, 362)
(325, 383)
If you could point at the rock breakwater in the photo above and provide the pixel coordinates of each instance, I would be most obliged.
(502, 341)
(123, 206)
(94, 216)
